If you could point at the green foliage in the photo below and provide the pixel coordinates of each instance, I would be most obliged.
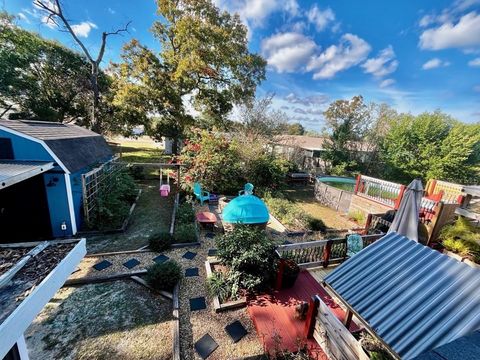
(212, 160)
(432, 145)
(137, 172)
(113, 202)
(185, 214)
(287, 212)
(249, 254)
(164, 276)
(295, 129)
(160, 241)
(185, 233)
(267, 172)
(204, 54)
(221, 285)
(462, 238)
(41, 79)
(357, 216)
(316, 224)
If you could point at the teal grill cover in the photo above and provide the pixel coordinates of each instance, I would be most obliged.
(246, 209)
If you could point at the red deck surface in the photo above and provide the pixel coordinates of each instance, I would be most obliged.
(273, 316)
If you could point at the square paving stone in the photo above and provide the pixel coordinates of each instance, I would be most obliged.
(161, 259)
(197, 304)
(212, 252)
(205, 346)
(236, 331)
(189, 255)
(102, 265)
(210, 235)
(191, 272)
(131, 263)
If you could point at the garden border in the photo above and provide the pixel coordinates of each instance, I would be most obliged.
(121, 229)
(229, 305)
(172, 227)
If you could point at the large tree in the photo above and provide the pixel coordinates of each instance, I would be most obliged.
(204, 60)
(40, 79)
(432, 145)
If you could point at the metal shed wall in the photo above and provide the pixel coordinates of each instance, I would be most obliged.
(414, 298)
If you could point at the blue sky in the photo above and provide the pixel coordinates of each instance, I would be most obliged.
(414, 55)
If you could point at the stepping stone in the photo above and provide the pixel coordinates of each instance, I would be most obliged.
(236, 331)
(205, 346)
(191, 272)
(131, 263)
(189, 255)
(161, 259)
(102, 265)
(210, 235)
(197, 304)
(212, 252)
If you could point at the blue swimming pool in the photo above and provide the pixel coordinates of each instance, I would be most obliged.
(339, 182)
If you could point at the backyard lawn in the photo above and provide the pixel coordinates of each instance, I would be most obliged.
(304, 197)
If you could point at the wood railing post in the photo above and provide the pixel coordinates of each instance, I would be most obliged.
(326, 253)
(399, 197)
(281, 269)
(357, 184)
(368, 223)
(311, 316)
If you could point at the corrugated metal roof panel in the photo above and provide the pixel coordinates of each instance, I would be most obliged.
(413, 297)
(12, 172)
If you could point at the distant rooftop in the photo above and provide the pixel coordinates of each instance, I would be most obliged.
(313, 143)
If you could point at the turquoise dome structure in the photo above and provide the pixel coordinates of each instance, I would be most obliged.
(246, 209)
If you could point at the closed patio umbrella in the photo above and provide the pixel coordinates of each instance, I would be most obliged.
(406, 219)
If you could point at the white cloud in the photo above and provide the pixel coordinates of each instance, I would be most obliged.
(321, 18)
(386, 83)
(382, 65)
(48, 22)
(23, 17)
(291, 7)
(288, 52)
(464, 33)
(434, 63)
(111, 11)
(427, 20)
(319, 99)
(83, 29)
(351, 51)
(474, 62)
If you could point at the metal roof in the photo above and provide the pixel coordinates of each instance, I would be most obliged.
(412, 297)
(12, 172)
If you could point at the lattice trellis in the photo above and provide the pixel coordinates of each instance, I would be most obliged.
(96, 179)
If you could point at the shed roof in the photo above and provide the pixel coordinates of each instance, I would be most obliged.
(74, 146)
(12, 172)
(414, 298)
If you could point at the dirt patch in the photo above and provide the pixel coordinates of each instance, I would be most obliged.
(117, 320)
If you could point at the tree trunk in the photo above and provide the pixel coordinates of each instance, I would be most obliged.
(95, 123)
(175, 146)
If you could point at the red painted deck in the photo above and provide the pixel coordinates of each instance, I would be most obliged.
(273, 316)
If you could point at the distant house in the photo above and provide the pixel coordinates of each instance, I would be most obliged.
(307, 151)
(41, 167)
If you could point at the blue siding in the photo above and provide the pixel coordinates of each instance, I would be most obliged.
(76, 182)
(24, 149)
(58, 204)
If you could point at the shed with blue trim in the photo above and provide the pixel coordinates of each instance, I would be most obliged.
(41, 164)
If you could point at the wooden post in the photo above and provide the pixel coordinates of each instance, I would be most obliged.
(280, 271)
(348, 319)
(399, 197)
(368, 223)
(326, 253)
(311, 315)
(357, 184)
(431, 187)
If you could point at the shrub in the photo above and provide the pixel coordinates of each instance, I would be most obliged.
(316, 224)
(357, 216)
(164, 276)
(249, 254)
(185, 214)
(185, 233)
(462, 238)
(287, 212)
(219, 284)
(160, 241)
(137, 172)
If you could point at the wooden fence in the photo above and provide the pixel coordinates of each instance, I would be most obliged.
(334, 198)
(385, 192)
(451, 193)
(320, 252)
(334, 338)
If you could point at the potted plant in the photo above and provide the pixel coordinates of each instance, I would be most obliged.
(290, 273)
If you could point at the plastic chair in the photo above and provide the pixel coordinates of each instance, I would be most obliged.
(247, 189)
(199, 193)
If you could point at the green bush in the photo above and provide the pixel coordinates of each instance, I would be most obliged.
(113, 202)
(164, 276)
(316, 224)
(160, 241)
(357, 216)
(462, 238)
(185, 214)
(137, 172)
(220, 284)
(250, 255)
(185, 233)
